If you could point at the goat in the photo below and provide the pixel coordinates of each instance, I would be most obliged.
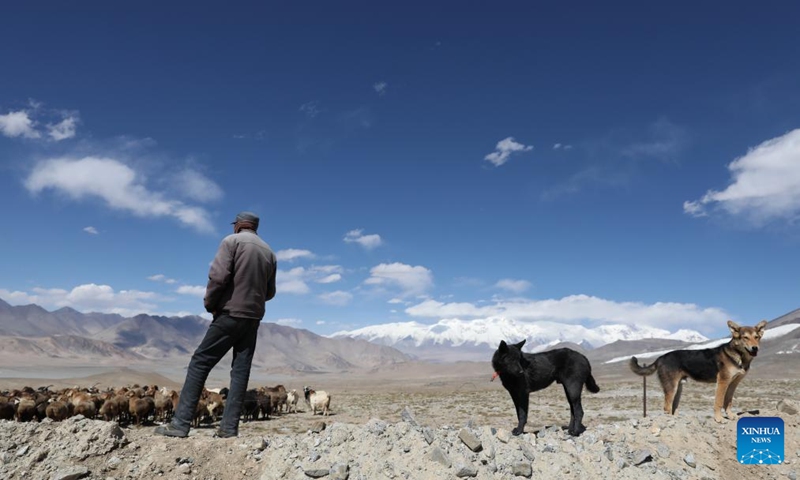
(317, 401)
(291, 401)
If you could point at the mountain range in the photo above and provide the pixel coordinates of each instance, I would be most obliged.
(30, 333)
(475, 339)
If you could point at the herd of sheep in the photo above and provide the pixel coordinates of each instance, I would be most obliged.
(143, 404)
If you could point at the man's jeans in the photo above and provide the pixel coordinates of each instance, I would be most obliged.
(224, 333)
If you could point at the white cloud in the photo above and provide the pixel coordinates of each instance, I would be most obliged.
(88, 298)
(367, 241)
(332, 278)
(159, 277)
(412, 280)
(291, 254)
(296, 280)
(64, 129)
(664, 141)
(292, 281)
(196, 186)
(193, 290)
(504, 149)
(561, 146)
(90, 230)
(320, 322)
(289, 322)
(765, 184)
(516, 286)
(395, 301)
(115, 183)
(18, 124)
(339, 298)
(577, 309)
(380, 88)
(311, 109)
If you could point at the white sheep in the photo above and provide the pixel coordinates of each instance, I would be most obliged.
(291, 401)
(317, 401)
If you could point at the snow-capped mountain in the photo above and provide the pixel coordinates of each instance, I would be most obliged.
(476, 337)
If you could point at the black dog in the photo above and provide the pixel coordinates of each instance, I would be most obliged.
(523, 373)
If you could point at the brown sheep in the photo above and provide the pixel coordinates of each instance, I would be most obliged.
(87, 409)
(57, 411)
(140, 409)
(26, 409)
(7, 411)
(109, 411)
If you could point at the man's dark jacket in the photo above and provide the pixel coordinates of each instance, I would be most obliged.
(242, 276)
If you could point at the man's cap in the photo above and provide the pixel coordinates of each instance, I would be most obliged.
(246, 217)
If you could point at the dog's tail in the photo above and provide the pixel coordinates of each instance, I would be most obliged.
(644, 370)
(591, 385)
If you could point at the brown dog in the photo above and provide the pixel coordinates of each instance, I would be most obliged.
(726, 365)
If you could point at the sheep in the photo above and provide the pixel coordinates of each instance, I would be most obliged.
(291, 401)
(140, 408)
(164, 406)
(7, 411)
(57, 411)
(110, 410)
(317, 401)
(277, 395)
(265, 404)
(215, 404)
(26, 409)
(250, 406)
(87, 409)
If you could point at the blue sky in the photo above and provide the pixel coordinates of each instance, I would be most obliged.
(580, 163)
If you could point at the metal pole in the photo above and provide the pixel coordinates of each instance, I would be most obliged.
(644, 397)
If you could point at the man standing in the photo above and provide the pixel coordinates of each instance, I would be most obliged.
(241, 280)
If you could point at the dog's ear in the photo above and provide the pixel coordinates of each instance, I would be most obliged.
(503, 346)
(762, 325)
(734, 328)
(520, 344)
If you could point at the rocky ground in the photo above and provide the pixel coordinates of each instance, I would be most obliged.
(444, 431)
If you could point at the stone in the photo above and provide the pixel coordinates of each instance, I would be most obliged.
(318, 426)
(503, 435)
(428, 434)
(662, 450)
(787, 406)
(317, 472)
(408, 416)
(340, 471)
(470, 440)
(522, 469)
(376, 426)
(641, 456)
(71, 473)
(438, 456)
(113, 462)
(466, 470)
(689, 460)
(23, 450)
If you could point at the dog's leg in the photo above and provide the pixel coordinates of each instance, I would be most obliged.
(521, 405)
(573, 391)
(727, 404)
(669, 383)
(677, 399)
(722, 387)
